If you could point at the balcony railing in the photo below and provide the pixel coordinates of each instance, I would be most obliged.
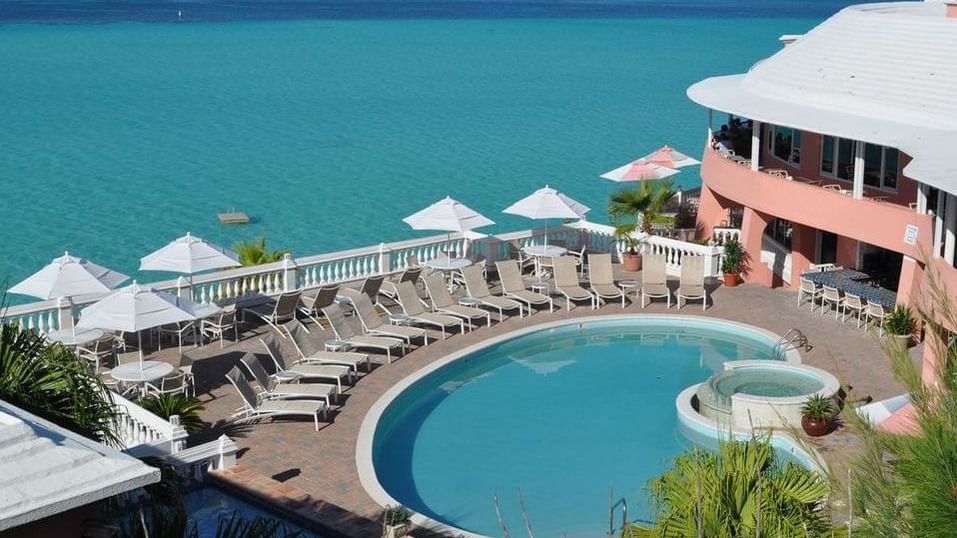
(142, 433)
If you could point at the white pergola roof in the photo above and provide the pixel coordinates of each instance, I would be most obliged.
(881, 73)
(46, 469)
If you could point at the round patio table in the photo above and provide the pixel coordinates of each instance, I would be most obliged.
(448, 266)
(137, 372)
(75, 337)
(543, 251)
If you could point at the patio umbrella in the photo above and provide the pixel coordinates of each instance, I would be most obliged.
(68, 276)
(189, 255)
(547, 203)
(447, 215)
(135, 308)
(669, 157)
(639, 170)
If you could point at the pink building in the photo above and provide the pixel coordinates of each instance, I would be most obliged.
(841, 148)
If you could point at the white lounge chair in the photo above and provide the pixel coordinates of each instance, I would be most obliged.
(413, 307)
(345, 332)
(691, 283)
(601, 278)
(410, 274)
(654, 279)
(373, 324)
(567, 283)
(309, 354)
(281, 310)
(513, 286)
(255, 407)
(304, 371)
(442, 302)
(271, 390)
(312, 305)
(477, 289)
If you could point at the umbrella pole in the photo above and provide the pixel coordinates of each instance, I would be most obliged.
(546, 233)
(139, 344)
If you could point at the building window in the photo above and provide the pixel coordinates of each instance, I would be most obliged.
(785, 144)
(845, 159)
(827, 155)
(880, 167)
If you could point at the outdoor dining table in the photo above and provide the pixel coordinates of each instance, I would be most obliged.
(852, 281)
(138, 373)
(448, 265)
(75, 337)
(543, 251)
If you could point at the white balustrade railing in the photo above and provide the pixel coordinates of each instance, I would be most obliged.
(215, 455)
(143, 433)
(721, 234)
(249, 283)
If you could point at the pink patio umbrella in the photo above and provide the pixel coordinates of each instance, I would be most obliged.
(669, 157)
(640, 170)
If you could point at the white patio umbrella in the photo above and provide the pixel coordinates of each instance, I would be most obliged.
(669, 157)
(135, 308)
(189, 255)
(69, 276)
(447, 215)
(639, 170)
(547, 203)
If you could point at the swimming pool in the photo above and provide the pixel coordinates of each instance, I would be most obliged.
(206, 505)
(563, 414)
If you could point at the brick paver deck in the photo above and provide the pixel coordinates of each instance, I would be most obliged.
(318, 470)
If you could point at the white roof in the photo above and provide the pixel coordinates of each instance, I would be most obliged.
(46, 469)
(882, 73)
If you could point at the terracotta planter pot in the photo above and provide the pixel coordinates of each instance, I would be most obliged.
(631, 262)
(730, 279)
(814, 427)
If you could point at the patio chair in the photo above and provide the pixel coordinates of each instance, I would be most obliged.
(831, 296)
(103, 348)
(345, 332)
(601, 278)
(579, 257)
(177, 330)
(312, 305)
(477, 290)
(410, 274)
(443, 303)
(875, 312)
(271, 390)
(853, 303)
(373, 324)
(255, 407)
(654, 279)
(309, 354)
(413, 261)
(567, 283)
(186, 368)
(291, 370)
(279, 311)
(513, 286)
(219, 325)
(691, 283)
(172, 384)
(809, 291)
(515, 252)
(413, 307)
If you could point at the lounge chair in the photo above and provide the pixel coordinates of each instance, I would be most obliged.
(654, 279)
(513, 286)
(567, 283)
(269, 389)
(691, 283)
(254, 407)
(411, 275)
(312, 305)
(371, 286)
(413, 307)
(443, 303)
(303, 371)
(477, 289)
(279, 311)
(601, 278)
(345, 332)
(373, 324)
(309, 354)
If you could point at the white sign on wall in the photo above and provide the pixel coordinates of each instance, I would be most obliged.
(910, 234)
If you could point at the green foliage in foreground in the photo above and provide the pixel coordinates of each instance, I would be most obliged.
(740, 491)
(48, 380)
(167, 405)
(255, 252)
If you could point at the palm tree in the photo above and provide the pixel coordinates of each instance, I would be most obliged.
(742, 490)
(48, 380)
(179, 404)
(646, 202)
(906, 485)
(254, 252)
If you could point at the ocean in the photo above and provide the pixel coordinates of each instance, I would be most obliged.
(126, 124)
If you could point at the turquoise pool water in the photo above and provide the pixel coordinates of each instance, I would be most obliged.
(562, 415)
(205, 506)
(759, 381)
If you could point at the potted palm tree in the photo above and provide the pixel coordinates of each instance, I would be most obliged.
(899, 325)
(732, 263)
(395, 522)
(255, 252)
(817, 415)
(636, 209)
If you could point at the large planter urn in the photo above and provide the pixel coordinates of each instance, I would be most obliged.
(631, 261)
(730, 279)
(815, 427)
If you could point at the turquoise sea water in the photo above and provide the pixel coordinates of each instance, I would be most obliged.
(563, 416)
(116, 137)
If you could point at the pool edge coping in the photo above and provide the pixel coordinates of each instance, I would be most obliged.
(364, 440)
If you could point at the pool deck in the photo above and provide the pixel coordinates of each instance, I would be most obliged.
(314, 473)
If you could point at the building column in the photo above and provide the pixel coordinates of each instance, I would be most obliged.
(922, 198)
(908, 286)
(710, 213)
(950, 225)
(932, 358)
(858, 169)
(753, 224)
(755, 145)
(939, 223)
(803, 244)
